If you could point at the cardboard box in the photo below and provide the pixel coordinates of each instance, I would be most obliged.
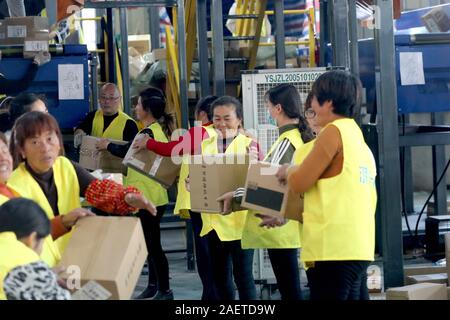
(438, 19)
(18, 29)
(263, 193)
(420, 269)
(164, 170)
(448, 293)
(428, 278)
(108, 253)
(158, 54)
(140, 42)
(213, 175)
(92, 159)
(419, 291)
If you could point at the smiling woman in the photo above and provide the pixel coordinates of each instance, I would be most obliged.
(44, 175)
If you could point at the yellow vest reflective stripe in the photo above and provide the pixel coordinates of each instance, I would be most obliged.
(339, 212)
(151, 189)
(183, 203)
(115, 128)
(68, 189)
(13, 253)
(228, 227)
(287, 236)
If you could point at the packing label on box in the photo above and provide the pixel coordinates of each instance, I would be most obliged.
(92, 290)
(137, 163)
(155, 165)
(17, 31)
(36, 45)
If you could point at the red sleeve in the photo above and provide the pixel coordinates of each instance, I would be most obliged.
(109, 196)
(189, 143)
(58, 228)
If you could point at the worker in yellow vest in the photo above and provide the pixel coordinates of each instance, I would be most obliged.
(284, 110)
(159, 126)
(224, 232)
(188, 144)
(108, 121)
(337, 178)
(24, 226)
(56, 184)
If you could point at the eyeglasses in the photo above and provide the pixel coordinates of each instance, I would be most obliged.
(309, 113)
(108, 98)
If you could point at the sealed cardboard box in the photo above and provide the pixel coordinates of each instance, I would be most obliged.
(164, 170)
(92, 159)
(438, 19)
(263, 193)
(429, 278)
(419, 291)
(213, 175)
(107, 254)
(140, 42)
(17, 29)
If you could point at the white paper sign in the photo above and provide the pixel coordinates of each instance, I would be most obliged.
(411, 68)
(36, 46)
(91, 291)
(71, 82)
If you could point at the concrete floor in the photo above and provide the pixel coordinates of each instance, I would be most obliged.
(186, 284)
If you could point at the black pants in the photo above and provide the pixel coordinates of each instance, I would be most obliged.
(158, 266)
(285, 266)
(229, 259)
(338, 280)
(203, 259)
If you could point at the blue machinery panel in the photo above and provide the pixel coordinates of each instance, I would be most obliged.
(68, 112)
(434, 95)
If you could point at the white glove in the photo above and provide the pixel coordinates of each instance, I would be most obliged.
(77, 138)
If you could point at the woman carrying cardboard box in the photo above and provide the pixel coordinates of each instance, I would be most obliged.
(337, 178)
(44, 175)
(159, 125)
(285, 111)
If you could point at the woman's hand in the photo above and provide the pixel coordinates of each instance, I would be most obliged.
(226, 202)
(270, 221)
(282, 173)
(138, 201)
(140, 143)
(186, 184)
(70, 219)
(102, 144)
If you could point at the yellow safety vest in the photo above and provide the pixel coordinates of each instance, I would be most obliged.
(339, 212)
(151, 189)
(115, 128)
(13, 253)
(229, 227)
(183, 203)
(68, 189)
(287, 236)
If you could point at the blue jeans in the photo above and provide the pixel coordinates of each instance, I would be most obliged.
(229, 259)
(203, 259)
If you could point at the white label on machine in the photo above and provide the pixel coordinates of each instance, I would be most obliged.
(411, 68)
(70, 82)
(17, 31)
(91, 291)
(36, 46)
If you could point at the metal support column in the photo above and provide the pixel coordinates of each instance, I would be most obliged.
(340, 34)
(153, 15)
(440, 195)
(353, 33)
(217, 47)
(202, 48)
(182, 65)
(94, 81)
(124, 60)
(388, 142)
(280, 50)
(324, 32)
(111, 46)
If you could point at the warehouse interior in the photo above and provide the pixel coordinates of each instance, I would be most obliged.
(192, 49)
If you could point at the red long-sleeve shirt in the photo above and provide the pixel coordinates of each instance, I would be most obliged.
(189, 143)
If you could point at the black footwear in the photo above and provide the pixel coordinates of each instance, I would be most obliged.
(166, 295)
(149, 292)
